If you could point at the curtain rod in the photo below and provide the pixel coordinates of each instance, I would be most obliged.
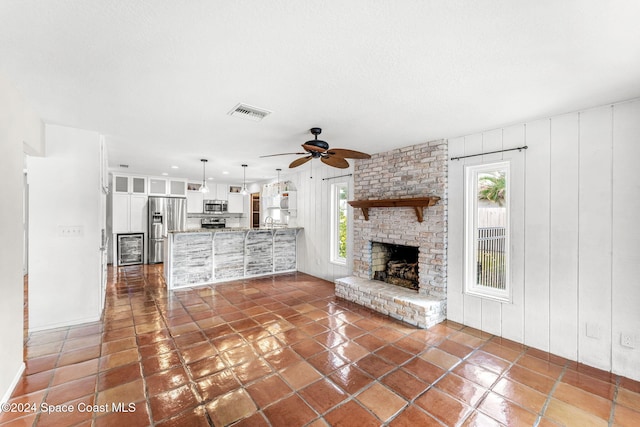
(339, 176)
(491, 152)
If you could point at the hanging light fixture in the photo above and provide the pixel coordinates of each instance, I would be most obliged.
(204, 188)
(278, 184)
(244, 191)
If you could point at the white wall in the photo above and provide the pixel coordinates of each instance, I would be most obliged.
(314, 205)
(576, 263)
(64, 272)
(20, 130)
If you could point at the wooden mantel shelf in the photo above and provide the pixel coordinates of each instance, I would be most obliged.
(417, 203)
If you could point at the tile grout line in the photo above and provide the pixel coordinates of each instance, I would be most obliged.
(614, 401)
(548, 399)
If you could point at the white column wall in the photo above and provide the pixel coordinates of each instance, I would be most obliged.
(64, 190)
(575, 258)
(20, 130)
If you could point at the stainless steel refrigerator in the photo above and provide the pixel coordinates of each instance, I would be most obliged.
(165, 214)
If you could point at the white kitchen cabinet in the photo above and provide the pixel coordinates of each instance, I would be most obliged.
(129, 213)
(129, 184)
(158, 186)
(222, 192)
(195, 201)
(178, 187)
(236, 203)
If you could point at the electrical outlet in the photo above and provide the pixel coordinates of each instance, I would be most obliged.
(70, 231)
(626, 340)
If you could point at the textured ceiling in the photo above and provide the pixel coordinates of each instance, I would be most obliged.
(158, 77)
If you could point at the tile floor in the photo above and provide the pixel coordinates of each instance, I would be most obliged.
(283, 351)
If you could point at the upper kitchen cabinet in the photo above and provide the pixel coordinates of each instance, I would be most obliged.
(167, 187)
(222, 192)
(195, 201)
(236, 203)
(128, 184)
(129, 213)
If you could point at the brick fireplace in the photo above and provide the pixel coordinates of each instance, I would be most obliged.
(415, 171)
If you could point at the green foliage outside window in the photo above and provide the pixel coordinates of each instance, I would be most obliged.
(342, 223)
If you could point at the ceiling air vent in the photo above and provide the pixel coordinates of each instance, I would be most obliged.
(249, 112)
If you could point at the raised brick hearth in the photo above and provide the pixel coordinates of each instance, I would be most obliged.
(415, 171)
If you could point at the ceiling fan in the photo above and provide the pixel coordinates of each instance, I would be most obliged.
(319, 149)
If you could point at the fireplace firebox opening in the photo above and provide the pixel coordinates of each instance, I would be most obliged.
(395, 264)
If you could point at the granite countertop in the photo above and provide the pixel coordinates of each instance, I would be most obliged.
(233, 229)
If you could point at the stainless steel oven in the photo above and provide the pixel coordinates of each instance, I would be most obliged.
(213, 222)
(215, 206)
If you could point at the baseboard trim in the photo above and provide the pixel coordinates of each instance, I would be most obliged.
(14, 383)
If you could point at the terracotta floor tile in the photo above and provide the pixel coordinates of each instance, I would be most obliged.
(268, 390)
(166, 380)
(589, 383)
(198, 352)
(32, 401)
(350, 351)
(32, 383)
(443, 407)
(629, 399)
(478, 419)
(282, 358)
(566, 414)
(531, 379)
(231, 407)
(196, 417)
(393, 354)
(462, 389)
(413, 417)
(488, 361)
(40, 364)
(525, 396)
(404, 384)
(126, 393)
(326, 362)
(440, 358)
(374, 365)
(118, 376)
(57, 419)
(584, 400)
(72, 390)
(477, 374)
(308, 348)
(370, 342)
(252, 370)
(172, 402)
(381, 401)
(351, 414)
(506, 412)
(300, 375)
(626, 417)
(161, 362)
(283, 350)
(291, 412)
(424, 370)
(217, 384)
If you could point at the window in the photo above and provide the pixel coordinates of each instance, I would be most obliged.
(487, 231)
(339, 218)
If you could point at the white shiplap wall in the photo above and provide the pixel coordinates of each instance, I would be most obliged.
(575, 239)
(314, 203)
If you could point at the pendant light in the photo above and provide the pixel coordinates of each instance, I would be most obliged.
(244, 191)
(204, 188)
(278, 184)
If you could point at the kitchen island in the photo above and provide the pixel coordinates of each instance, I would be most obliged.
(205, 256)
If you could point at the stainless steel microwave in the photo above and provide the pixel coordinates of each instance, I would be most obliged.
(215, 206)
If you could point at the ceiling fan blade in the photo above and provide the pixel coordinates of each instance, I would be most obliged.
(310, 148)
(348, 154)
(300, 161)
(336, 162)
(282, 154)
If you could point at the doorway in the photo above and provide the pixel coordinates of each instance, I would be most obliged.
(255, 210)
